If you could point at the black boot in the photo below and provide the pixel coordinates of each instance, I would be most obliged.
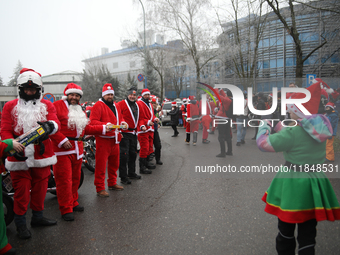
(142, 166)
(222, 147)
(23, 232)
(194, 140)
(230, 148)
(149, 165)
(187, 140)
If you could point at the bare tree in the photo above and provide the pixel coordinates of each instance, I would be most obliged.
(239, 42)
(288, 16)
(188, 20)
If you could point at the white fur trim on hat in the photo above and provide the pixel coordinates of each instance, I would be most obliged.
(146, 92)
(73, 90)
(108, 92)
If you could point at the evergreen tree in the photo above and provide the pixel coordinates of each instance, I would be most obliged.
(152, 84)
(124, 87)
(16, 73)
(1, 82)
(94, 80)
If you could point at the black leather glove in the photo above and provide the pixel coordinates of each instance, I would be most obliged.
(20, 156)
(48, 126)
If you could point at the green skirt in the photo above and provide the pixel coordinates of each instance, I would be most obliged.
(296, 197)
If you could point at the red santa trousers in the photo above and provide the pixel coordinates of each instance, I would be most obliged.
(67, 173)
(107, 153)
(184, 121)
(192, 126)
(34, 179)
(206, 120)
(146, 144)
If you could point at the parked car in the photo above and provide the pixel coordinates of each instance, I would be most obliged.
(163, 114)
(165, 118)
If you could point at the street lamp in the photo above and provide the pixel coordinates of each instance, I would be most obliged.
(144, 46)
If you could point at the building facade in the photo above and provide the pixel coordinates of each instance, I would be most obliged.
(275, 60)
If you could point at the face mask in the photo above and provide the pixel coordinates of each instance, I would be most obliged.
(329, 111)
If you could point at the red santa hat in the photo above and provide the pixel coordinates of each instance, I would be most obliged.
(107, 89)
(145, 91)
(192, 97)
(312, 105)
(139, 97)
(72, 88)
(323, 85)
(330, 104)
(174, 104)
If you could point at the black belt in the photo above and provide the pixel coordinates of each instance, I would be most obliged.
(76, 139)
(132, 129)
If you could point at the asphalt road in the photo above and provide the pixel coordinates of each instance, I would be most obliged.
(177, 209)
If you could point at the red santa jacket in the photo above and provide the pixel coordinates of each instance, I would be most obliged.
(32, 152)
(226, 101)
(101, 114)
(128, 116)
(146, 115)
(64, 132)
(193, 111)
(184, 109)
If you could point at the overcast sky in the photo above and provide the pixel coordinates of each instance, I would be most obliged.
(54, 36)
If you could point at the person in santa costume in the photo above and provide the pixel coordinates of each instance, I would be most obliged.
(145, 129)
(68, 146)
(30, 172)
(106, 112)
(300, 194)
(128, 144)
(206, 119)
(184, 111)
(193, 120)
(6, 146)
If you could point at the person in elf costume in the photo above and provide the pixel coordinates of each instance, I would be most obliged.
(6, 146)
(297, 195)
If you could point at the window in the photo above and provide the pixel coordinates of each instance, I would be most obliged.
(313, 59)
(279, 62)
(115, 65)
(265, 64)
(272, 63)
(132, 64)
(289, 39)
(335, 58)
(290, 61)
(308, 37)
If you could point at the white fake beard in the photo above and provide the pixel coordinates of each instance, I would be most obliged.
(28, 113)
(77, 118)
